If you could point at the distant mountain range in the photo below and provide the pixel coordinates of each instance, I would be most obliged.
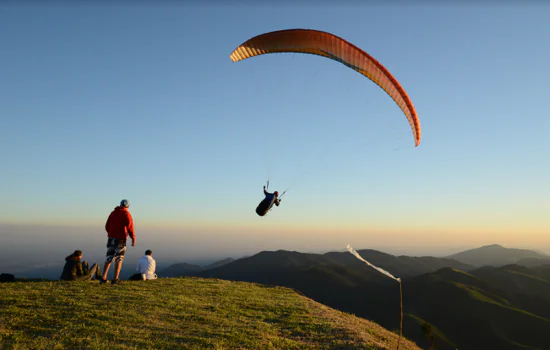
(448, 304)
(185, 269)
(496, 255)
(404, 266)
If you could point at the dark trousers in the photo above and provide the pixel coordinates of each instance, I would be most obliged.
(89, 273)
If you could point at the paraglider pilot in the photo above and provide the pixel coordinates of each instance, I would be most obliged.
(266, 204)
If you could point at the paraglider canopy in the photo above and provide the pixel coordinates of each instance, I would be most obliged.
(329, 45)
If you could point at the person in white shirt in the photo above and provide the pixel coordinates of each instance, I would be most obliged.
(146, 266)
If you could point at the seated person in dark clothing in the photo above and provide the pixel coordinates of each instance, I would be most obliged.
(76, 270)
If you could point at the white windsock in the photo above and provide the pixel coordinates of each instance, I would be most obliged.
(352, 251)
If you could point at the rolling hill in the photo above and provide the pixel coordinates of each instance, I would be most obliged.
(480, 309)
(401, 266)
(473, 313)
(177, 313)
(185, 269)
(497, 255)
(448, 303)
(527, 288)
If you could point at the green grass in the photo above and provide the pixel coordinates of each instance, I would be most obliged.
(177, 313)
(477, 293)
(527, 275)
(464, 273)
(436, 331)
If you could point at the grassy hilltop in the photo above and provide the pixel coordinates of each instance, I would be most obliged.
(171, 313)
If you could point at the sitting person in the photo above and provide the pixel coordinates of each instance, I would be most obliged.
(146, 266)
(76, 270)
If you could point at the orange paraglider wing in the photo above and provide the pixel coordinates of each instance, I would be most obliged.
(330, 46)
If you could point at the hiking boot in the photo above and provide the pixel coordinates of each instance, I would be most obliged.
(102, 281)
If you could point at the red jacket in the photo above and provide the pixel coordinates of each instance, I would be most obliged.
(120, 224)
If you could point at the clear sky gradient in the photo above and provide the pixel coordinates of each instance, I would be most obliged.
(104, 102)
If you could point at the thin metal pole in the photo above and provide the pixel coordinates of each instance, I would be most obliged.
(401, 314)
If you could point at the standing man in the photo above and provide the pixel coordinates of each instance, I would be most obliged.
(146, 266)
(119, 226)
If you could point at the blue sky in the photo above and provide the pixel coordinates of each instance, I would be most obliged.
(100, 103)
